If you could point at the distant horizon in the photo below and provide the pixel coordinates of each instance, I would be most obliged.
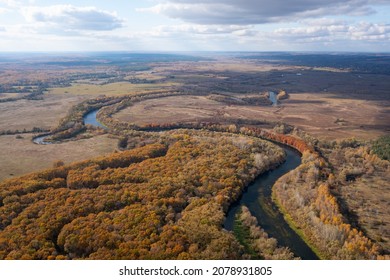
(193, 52)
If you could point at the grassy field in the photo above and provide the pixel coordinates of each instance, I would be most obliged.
(366, 193)
(369, 199)
(220, 65)
(145, 76)
(324, 116)
(170, 109)
(26, 114)
(112, 89)
(11, 95)
(331, 117)
(21, 156)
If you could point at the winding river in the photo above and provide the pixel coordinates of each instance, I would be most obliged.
(257, 197)
(41, 140)
(89, 118)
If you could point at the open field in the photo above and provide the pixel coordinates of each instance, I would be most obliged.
(26, 114)
(21, 156)
(369, 201)
(171, 109)
(323, 115)
(220, 65)
(10, 95)
(331, 117)
(112, 89)
(145, 76)
(363, 190)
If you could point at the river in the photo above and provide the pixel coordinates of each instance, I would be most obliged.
(257, 197)
(41, 140)
(273, 98)
(89, 118)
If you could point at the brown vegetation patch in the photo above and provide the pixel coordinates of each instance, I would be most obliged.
(11, 95)
(111, 89)
(363, 189)
(364, 119)
(21, 156)
(46, 113)
(171, 109)
(318, 115)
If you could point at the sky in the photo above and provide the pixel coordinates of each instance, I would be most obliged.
(184, 25)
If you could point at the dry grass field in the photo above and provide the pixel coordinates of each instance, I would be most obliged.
(366, 194)
(330, 103)
(112, 89)
(21, 156)
(331, 117)
(147, 75)
(10, 95)
(323, 115)
(221, 65)
(369, 200)
(26, 114)
(171, 109)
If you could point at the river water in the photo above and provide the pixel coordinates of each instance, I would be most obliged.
(41, 140)
(257, 197)
(89, 118)
(273, 98)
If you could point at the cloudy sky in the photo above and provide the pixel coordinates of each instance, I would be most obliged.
(204, 25)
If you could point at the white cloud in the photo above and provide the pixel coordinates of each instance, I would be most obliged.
(71, 18)
(207, 25)
(3, 10)
(323, 22)
(259, 11)
(10, 3)
(337, 32)
(318, 34)
(370, 32)
(199, 29)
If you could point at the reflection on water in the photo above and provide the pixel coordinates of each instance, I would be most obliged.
(89, 118)
(41, 140)
(257, 197)
(273, 98)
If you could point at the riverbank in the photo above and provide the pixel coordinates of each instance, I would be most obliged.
(294, 227)
(88, 119)
(257, 197)
(22, 156)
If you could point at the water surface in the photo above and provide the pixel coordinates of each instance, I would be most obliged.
(257, 197)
